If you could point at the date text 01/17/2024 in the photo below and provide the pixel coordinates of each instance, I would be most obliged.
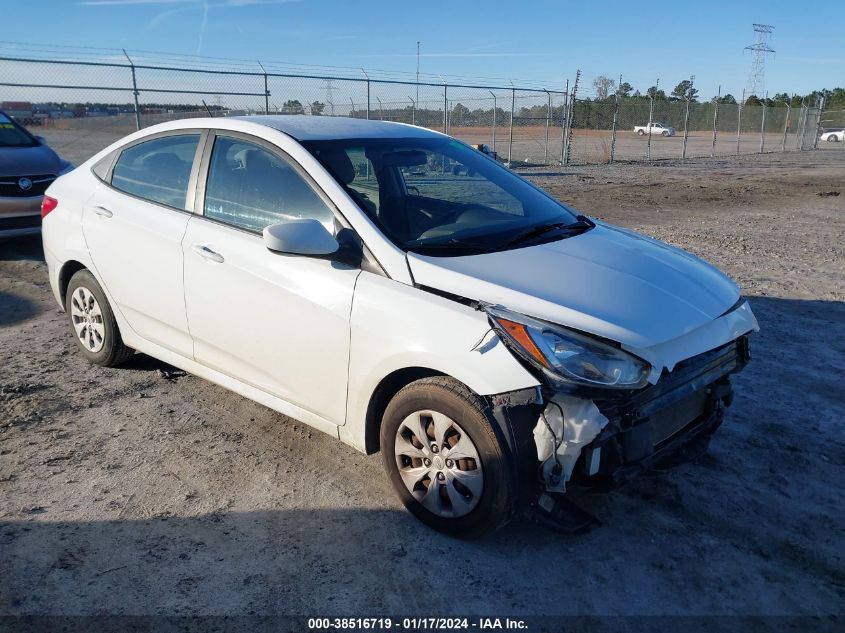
(416, 624)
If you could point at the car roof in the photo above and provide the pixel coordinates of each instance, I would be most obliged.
(313, 128)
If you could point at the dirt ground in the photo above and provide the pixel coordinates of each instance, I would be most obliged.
(141, 490)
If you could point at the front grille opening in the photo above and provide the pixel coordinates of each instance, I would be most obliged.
(9, 187)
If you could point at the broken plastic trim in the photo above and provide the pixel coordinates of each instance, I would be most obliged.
(565, 427)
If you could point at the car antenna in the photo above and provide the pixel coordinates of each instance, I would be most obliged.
(207, 109)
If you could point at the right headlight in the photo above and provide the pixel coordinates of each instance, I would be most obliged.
(568, 357)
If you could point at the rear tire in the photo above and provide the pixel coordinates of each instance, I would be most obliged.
(641, 132)
(445, 460)
(665, 133)
(92, 322)
(832, 139)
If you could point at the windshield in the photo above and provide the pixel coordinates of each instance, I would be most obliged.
(438, 196)
(11, 135)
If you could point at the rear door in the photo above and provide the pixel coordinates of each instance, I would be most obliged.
(277, 322)
(134, 225)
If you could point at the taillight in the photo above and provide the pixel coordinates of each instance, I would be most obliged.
(47, 205)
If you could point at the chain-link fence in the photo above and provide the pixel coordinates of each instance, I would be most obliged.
(115, 97)
(110, 96)
(642, 128)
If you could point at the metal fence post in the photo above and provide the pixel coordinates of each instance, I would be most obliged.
(494, 119)
(413, 110)
(548, 118)
(368, 93)
(799, 138)
(613, 125)
(818, 122)
(510, 141)
(266, 89)
(650, 118)
(785, 127)
(763, 125)
(570, 116)
(352, 103)
(445, 109)
(134, 91)
(715, 121)
(380, 110)
(563, 119)
(740, 106)
(686, 118)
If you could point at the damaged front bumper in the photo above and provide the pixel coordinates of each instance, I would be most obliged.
(600, 440)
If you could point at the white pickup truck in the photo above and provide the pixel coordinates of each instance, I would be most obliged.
(656, 128)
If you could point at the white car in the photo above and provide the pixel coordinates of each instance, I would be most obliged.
(833, 136)
(493, 344)
(656, 128)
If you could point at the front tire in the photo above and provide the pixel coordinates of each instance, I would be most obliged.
(92, 322)
(445, 460)
(832, 138)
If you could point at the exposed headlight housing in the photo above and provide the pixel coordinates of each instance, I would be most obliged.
(569, 358)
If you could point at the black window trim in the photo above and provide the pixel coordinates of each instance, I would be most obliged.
(205, 164)
(114, 156)
(369, 262)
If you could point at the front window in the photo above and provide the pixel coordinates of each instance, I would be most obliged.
(438, 196)
(251, 188)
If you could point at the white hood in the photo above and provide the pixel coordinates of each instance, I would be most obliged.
(608, 281)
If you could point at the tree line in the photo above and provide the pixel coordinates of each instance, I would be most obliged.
(606, 89)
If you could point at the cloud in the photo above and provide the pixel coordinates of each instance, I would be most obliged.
(189, 3)
(203, 25)
(102, 3)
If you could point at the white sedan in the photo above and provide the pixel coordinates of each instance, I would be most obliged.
(494, 345)
(833, 136)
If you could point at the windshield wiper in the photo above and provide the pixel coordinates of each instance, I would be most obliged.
(580, 225)
(452, 244)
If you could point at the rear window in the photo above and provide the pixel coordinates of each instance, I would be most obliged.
(157, 170)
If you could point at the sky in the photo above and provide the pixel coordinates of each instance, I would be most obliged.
(540, 43)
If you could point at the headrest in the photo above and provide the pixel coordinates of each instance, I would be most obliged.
(255, 160)
(338, 163)
(163, 162)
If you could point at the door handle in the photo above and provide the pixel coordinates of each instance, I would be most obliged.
(203, 251)
(106, 213)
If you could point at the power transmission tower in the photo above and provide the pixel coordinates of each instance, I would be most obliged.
(330, 94)
(759, 50)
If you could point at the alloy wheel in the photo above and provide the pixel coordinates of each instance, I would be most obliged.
(87, 319)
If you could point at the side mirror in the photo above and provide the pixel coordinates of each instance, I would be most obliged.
(301, 237)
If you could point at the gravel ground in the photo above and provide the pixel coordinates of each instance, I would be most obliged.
(141, 490)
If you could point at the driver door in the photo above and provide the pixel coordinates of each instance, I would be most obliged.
(274, 321)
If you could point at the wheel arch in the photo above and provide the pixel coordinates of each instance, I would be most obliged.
(68, 270)
(384, 392)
